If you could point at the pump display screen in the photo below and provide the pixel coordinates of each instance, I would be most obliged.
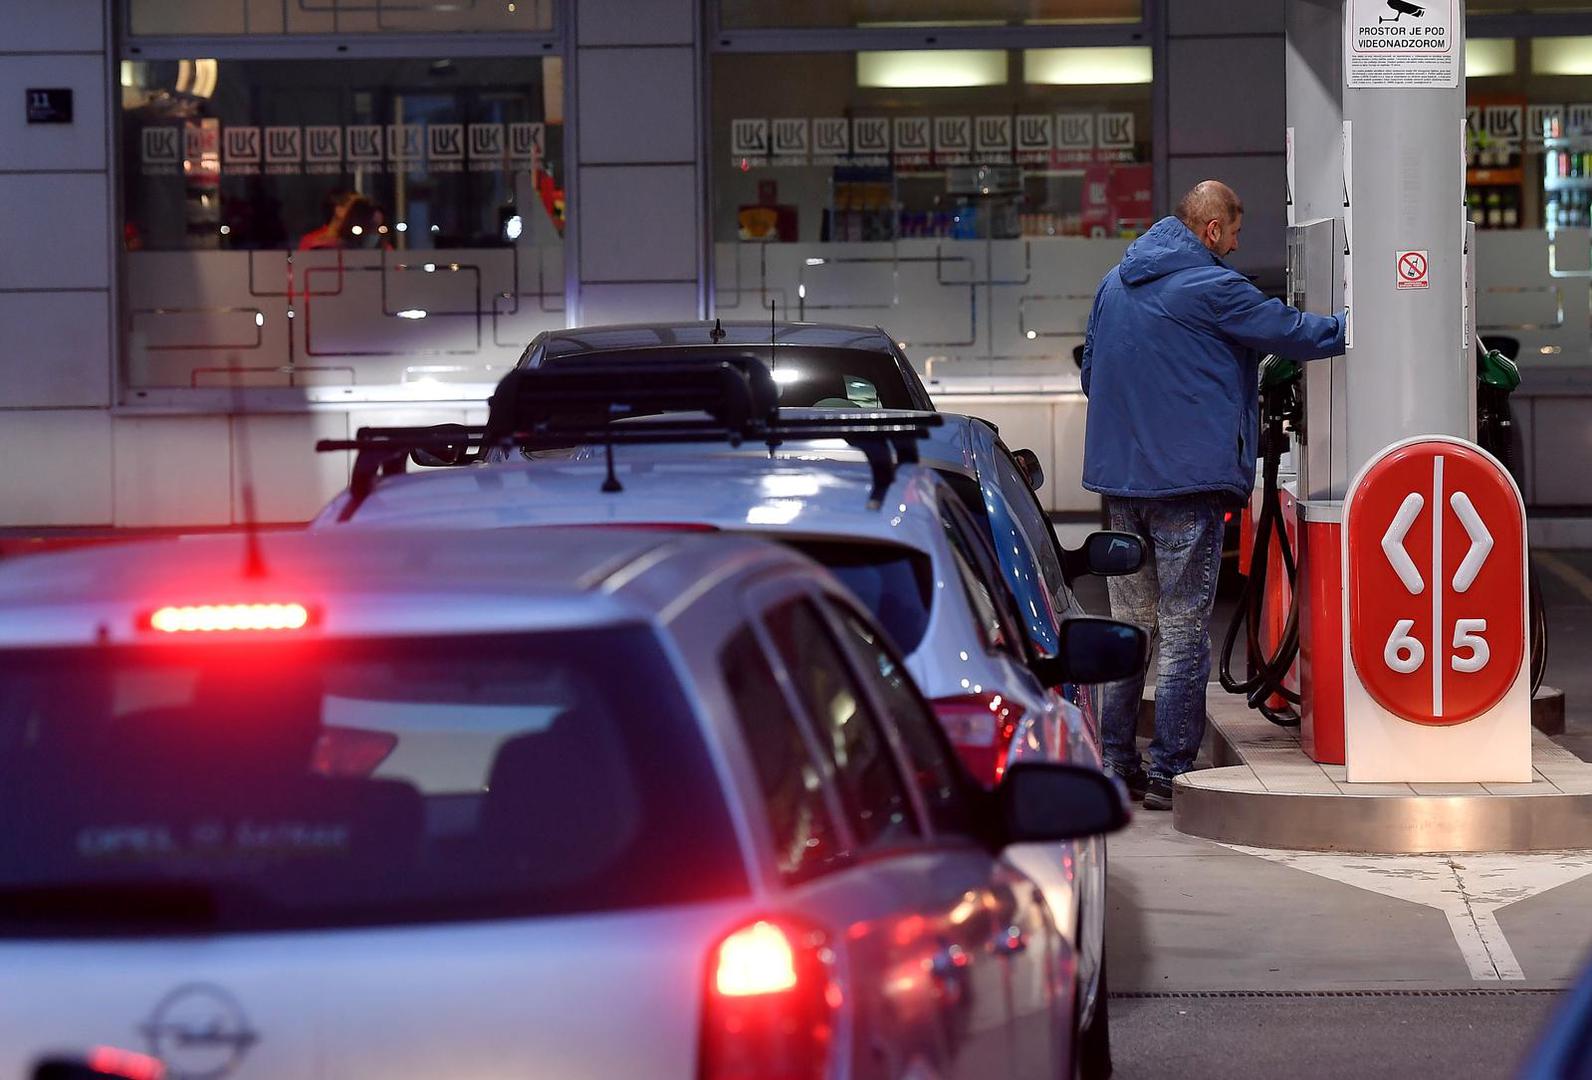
(217, 785)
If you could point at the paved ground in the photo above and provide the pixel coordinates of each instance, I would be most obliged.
(1400, 1038)
(1231, 963)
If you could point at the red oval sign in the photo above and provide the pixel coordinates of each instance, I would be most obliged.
(1436, 538)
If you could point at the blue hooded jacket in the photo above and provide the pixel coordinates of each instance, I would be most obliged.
(1170, 366)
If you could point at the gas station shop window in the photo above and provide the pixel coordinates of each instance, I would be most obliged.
(358, 222)
(760, 14)
(949, 195)
(228, 18)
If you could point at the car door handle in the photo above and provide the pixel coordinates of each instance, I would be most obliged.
(1009, 942)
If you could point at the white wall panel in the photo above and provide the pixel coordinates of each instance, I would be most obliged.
(58, 467)
(637, 105)
(55, 349)
(173, 470)
(78, 145)
(277, 455)
(660, 302)
(965, 309)
(638, 223)
(56, 230)
(52, 25)
(635, 22)
(194, 316)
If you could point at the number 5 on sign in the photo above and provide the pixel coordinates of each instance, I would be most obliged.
(1468, 635)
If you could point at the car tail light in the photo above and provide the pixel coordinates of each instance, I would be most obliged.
(981, 727)
(125, 1064)
(210, 618)
(350, 752)
(770, 1005)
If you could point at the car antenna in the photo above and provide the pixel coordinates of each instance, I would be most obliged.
(717, 334)
(773, 354)
(253, 560)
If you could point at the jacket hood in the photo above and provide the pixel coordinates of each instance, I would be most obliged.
(1169, 246)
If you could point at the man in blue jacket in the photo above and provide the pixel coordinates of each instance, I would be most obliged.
(1170, 366)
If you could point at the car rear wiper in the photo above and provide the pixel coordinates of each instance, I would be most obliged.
(149, 904)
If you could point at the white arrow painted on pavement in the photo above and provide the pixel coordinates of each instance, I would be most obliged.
(1481, 541)
(1468, 889)
(1393, 543)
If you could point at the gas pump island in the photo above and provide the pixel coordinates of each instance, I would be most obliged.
(1410, 591)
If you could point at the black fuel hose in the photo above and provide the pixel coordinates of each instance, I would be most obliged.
(1495, 434)
(1266, 674)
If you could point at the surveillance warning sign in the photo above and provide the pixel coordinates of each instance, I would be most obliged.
(1400, 44)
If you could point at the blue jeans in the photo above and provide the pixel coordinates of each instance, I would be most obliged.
(1171, 597)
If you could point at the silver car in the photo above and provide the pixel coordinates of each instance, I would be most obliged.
(573, 804)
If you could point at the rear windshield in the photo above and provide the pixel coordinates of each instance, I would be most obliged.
(806, 376)
(895, 584)
(221, 787)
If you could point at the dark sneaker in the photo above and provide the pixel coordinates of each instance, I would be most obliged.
(1158, 796)
(1136, 781)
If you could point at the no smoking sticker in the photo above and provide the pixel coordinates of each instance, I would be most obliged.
(1413, 272)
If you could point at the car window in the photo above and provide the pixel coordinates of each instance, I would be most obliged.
(1031, 518)
(980, 577)
(317, 783)
(895, 583)
(935, 770)
(847, 731)
(791, 783)
(807, 375)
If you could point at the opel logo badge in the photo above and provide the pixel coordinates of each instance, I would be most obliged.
(199, 1031)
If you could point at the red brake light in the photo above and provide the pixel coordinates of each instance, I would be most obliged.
(350, 752)
(770, 1004)
(981, 727)
(110, 1061)
(208, 618)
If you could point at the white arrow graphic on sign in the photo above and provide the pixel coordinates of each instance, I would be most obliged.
(1393, 543)
(1481, 541)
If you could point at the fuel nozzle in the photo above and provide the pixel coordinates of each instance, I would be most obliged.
(1282, 406)
(1497, 377)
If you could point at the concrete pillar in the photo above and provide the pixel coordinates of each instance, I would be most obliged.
(1225, 117)
(57, 221)
(1406, 372)
(638, 205)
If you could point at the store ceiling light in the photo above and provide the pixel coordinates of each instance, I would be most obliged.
(1561, 56)
(1113, 66)
(1489, 56)
(931, 68)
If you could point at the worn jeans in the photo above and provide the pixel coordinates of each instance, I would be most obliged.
(1171, 597)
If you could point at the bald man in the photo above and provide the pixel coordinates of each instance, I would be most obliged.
(1170, 365)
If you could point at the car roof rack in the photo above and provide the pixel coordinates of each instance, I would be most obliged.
(731, 400)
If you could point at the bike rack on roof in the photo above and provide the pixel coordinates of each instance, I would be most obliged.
(562, 407)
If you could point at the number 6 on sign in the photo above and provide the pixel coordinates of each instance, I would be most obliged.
(1467, 635)
(1403, 653)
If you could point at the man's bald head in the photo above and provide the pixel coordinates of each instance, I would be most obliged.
(1214, 213)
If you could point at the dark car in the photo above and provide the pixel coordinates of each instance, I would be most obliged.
(814, 364)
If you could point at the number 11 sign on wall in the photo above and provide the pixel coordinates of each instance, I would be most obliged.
(1436, 684)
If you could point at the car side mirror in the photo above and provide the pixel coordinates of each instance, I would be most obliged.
(1028, 464)
(1105, 554)
(1094, 650)
(1043, 802)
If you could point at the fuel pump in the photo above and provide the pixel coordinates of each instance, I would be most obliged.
(1281, 415)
